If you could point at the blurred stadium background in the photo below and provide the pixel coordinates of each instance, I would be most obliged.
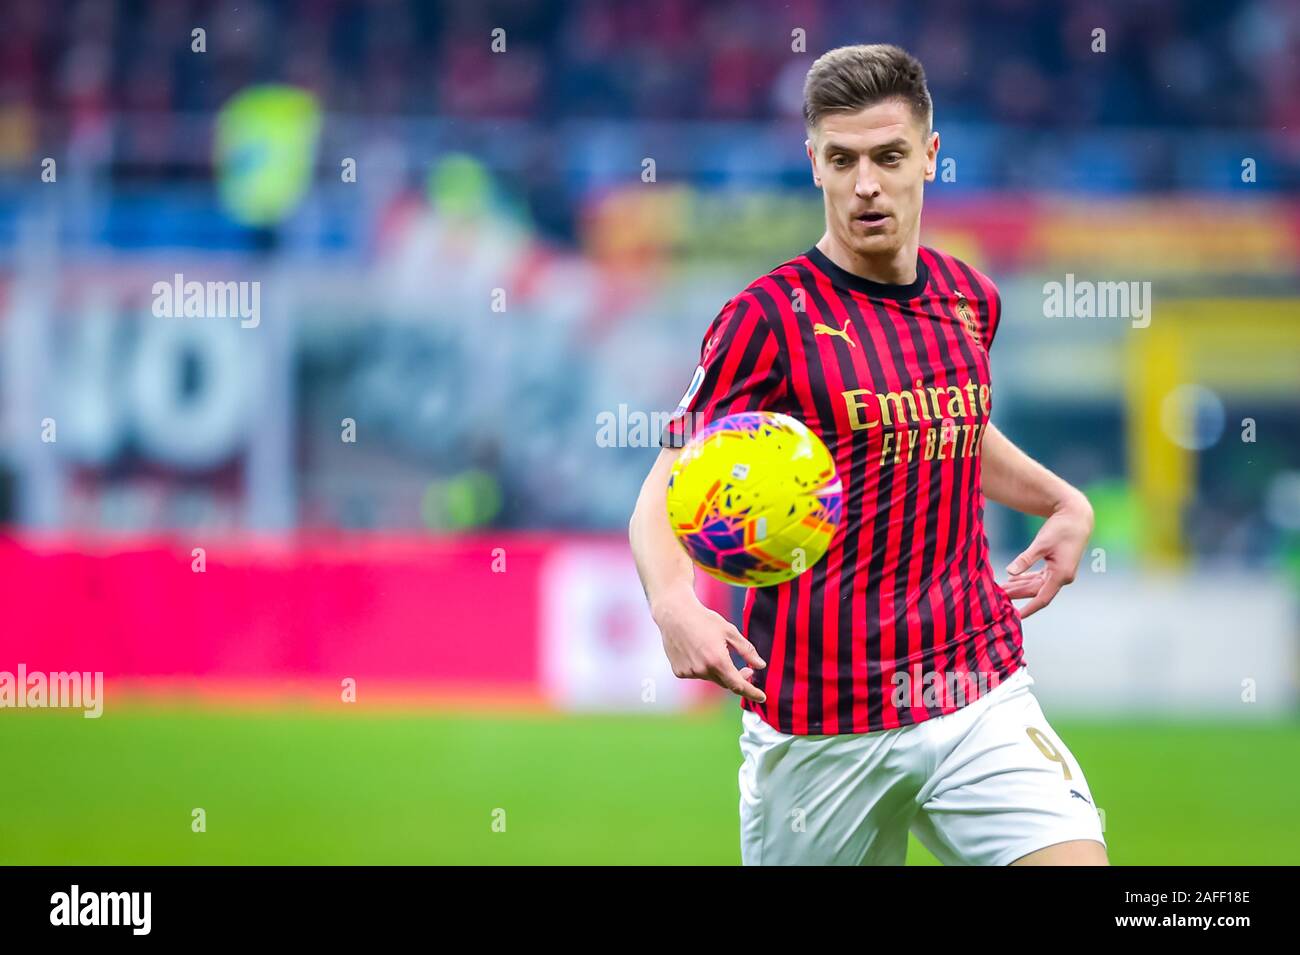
(414, 470)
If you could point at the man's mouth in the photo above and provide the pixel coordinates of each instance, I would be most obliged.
(871, 218)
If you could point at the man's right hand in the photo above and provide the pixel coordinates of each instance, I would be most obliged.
(697, 641)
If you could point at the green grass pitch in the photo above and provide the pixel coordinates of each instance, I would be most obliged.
(313, 787)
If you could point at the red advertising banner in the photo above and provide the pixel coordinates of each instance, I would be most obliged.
(557, 620)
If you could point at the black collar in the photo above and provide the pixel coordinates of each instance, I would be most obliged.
(857, 283)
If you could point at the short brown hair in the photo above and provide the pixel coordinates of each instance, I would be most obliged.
(851, 78)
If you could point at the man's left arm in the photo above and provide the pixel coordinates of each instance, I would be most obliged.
(1013, 478)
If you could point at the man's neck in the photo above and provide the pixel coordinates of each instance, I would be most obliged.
(896, 269)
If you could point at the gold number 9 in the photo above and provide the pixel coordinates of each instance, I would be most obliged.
(1047, 749)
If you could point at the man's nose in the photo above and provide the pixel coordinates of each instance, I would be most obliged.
(868, 184)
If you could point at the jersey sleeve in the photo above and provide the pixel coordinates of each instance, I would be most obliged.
(990, 304)
(740, 369)
(995, 315)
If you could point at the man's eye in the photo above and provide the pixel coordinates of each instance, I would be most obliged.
(840, 161)
(890, 159)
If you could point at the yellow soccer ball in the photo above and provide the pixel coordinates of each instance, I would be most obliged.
(755, 498)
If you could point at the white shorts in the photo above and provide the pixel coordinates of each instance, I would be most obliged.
(984, 785)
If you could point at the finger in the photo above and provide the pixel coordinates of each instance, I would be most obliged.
(1035, 579)
(747, 651)
(1031, 582)
(1030, 575)
(1019, 588)
(1027, 558)
(1049, 590)
(729, 677)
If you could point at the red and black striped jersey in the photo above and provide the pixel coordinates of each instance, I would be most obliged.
(902, 620)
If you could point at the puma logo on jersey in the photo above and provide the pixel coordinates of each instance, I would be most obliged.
(823, 329)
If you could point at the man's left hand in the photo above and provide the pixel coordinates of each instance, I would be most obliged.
(1059, 543)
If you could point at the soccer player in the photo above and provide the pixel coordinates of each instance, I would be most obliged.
(885, 689)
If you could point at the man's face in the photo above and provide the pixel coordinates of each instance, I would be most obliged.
(871, 167)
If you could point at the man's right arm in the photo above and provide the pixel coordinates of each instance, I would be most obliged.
(696, 639)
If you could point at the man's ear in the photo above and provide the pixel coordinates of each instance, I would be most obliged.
(932, 156)
(812, 159)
